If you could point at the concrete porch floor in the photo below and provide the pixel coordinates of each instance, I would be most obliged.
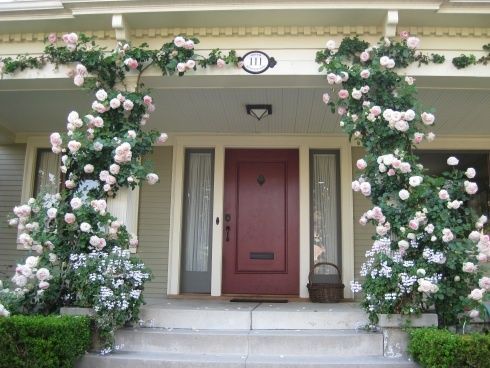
(223, 314)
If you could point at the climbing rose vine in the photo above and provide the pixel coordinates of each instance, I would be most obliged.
(79, 251)
(428, 245)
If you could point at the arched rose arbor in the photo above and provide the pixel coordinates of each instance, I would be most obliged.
(427, 244)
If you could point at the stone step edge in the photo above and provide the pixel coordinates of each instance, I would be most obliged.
(186, 357)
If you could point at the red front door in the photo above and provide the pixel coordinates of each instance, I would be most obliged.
(261, 222)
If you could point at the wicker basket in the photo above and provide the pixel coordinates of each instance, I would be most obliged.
(325, 292)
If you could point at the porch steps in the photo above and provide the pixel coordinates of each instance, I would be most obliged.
(223, 315)
(255, 342)
(218, 334)
(171, 360)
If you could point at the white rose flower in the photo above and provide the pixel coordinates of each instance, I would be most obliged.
(32, 261)
(76, 203)
(403, 245)
(452, 161)
(404, 194)
(43, 274)
(152, 178)
(88, 169)
(470, 173)
(53, 258)
(415, 181)
(72, 117)
(476, 294)
(469, 267)
(51, 213)
(330, 45)
(85, 227)
(101, 95)
(474, 236)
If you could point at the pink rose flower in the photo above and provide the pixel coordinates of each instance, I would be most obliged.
(162, 138)
(404, 35)
(427, 118)
(78, 80)
(131, 63)
(343, 94)
(55, 139)
(179, 41)
(341, 110)
(88, 168)
(114, 169)
(147, 100)
(365, 73)
(189, 45)
(365, 188)
(326, 98)
(220, 63)
(391, 172)
(361, 164)
(484, 283)
(74, 146)
(375, 110)
(418, 137)
(128, 105)
(52, 38)
(364, 56)
(331, 78)
(412, 42)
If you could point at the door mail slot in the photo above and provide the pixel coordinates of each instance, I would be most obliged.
(261, 255)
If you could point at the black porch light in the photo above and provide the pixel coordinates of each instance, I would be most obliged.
(259, 111)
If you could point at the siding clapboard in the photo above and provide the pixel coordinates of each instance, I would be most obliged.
(362, 234)
(154, 222)
(11, 169)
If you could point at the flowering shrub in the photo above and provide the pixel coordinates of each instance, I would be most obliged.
(79, 250)
(428, 244)
(111, 283)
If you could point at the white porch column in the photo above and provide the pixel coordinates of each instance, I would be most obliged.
(304, 219)
(218, 200)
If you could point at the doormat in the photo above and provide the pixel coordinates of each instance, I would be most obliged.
(252, 300)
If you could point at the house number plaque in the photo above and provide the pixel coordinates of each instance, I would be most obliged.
(257, 62)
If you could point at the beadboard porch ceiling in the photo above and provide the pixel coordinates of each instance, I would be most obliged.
(294, 110)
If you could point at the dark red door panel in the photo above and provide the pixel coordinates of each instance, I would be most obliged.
(261, 237)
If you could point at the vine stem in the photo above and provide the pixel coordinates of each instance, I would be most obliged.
(140, 74)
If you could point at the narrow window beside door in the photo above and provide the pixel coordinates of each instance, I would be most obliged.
(325, 211)
(47, 174)
(197, 222)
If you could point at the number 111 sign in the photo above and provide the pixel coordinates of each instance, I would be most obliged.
(257, 62)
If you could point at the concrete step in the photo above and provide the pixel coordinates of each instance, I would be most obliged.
(169, 360)
(256, 342)
(223, 315)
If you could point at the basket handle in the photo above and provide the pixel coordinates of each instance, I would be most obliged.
(321, 264)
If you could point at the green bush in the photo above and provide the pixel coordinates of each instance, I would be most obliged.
(433, 348)
(43, 342)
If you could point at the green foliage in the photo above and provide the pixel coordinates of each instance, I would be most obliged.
(107, 68)
(433, 348)
(43, 342)
(463, 61)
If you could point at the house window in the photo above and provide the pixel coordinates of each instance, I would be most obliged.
(197, 221)
(47, 173)
(325, 210)
(436, 163)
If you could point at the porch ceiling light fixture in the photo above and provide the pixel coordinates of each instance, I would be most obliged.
(259, 111)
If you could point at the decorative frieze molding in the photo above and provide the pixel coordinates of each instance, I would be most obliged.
(286, 31)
